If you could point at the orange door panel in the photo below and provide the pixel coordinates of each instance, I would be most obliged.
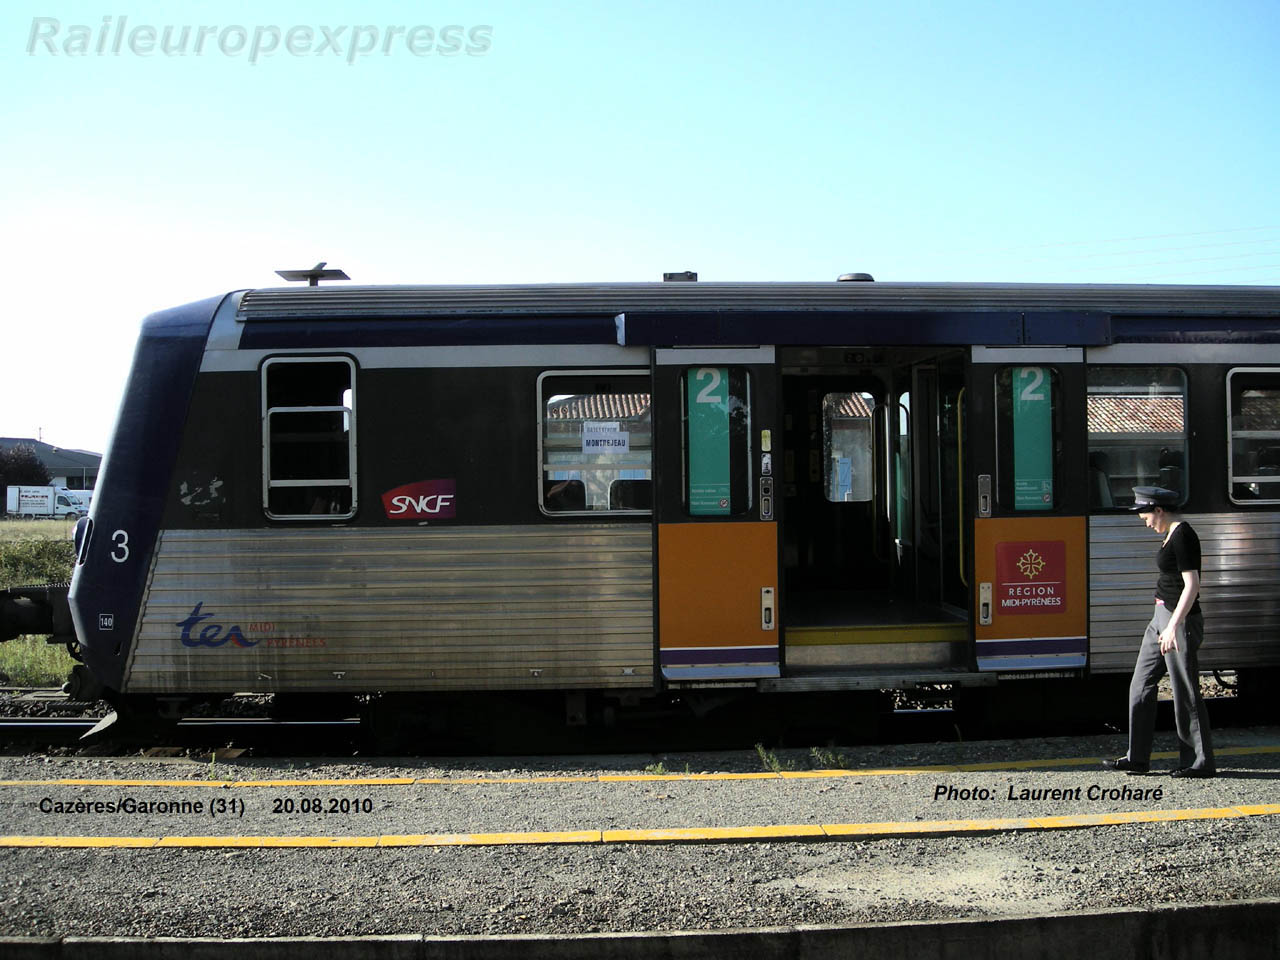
(1031, 593)
(715, 581)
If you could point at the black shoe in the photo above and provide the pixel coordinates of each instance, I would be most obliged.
(1193, 773)
(1127, 765)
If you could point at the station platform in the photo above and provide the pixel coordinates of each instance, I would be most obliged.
(520, 848)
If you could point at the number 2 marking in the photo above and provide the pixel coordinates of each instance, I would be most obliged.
(1029, 392)
(705, 394)
(121, 539)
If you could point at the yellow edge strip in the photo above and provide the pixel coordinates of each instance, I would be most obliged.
(674, 835)
(631, 778)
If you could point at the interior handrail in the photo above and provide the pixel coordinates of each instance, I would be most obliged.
(960, 477)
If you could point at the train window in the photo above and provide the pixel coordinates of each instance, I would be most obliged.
(847, 439)
(308, 438)
(717, 441)
(1137, 432)
(1253, 403)
(596, 442)
(1028, 450)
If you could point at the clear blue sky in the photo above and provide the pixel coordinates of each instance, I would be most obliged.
(998, 141)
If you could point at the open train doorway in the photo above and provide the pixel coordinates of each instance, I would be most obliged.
(873, 521)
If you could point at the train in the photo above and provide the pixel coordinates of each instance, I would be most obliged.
(626, 493)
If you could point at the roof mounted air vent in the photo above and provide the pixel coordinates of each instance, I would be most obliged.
(314, 275)
(863, 277)
(684, 276)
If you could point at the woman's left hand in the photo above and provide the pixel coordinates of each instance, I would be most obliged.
(1169, 639)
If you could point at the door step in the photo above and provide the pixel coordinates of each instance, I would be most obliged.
(906, 679)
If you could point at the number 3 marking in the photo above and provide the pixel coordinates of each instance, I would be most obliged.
(121, 539)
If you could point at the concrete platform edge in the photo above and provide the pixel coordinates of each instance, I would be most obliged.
(1238, 930)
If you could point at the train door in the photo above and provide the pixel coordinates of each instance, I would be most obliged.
(714, 513)
(874, 552)
(1031, 540)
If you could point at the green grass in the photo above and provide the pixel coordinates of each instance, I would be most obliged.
(31, 562)
(34, 552)
(31, 662)
(12, 530)
(828, 758)
(769, 760)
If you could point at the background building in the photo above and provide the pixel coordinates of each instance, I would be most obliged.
(73, 469)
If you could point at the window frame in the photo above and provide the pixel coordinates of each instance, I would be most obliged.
(1186, 425)
(540, 428)
(352, 463)
(1232, 479)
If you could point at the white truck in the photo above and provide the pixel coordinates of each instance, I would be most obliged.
(43, 502)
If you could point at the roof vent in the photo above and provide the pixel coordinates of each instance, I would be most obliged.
(314, 275)
(847, 277)
(684, 276)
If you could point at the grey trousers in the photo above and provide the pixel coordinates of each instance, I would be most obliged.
(1195, 745)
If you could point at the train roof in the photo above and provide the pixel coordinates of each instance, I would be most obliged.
(578, 299)
(696, 313)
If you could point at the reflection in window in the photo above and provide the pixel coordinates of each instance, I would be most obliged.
(847, 439)
(1137, 432)
(1255, 435)
(597, 439)
(309, 437)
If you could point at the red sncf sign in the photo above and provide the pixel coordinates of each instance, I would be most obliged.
(424, 500)
(1031, 577)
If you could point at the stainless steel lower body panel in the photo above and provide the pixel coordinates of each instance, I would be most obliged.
(1239, 589)
(558, 606)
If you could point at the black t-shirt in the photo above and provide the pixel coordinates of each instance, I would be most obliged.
(1180, 554)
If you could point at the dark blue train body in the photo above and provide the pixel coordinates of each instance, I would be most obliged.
(619, 491)
(116, 543)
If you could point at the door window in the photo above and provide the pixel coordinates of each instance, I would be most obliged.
(847, 446)
(1027, 447)
(717, 441)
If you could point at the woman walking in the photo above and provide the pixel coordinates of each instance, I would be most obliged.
(1171, 644)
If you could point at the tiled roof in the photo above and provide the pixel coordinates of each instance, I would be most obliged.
(1135, 414)
(599, 406)
(1258, 413)
(848, 406)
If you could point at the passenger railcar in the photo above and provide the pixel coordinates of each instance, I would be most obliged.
(616, 491)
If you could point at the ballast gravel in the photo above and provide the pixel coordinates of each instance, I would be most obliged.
(633, 887)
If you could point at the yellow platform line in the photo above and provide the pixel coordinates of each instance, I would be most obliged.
(1045, 763)
(746, 834)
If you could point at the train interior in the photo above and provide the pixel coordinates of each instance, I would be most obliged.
(872, 544)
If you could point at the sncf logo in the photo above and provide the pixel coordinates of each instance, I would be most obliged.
(424, 500)
(210, 634)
